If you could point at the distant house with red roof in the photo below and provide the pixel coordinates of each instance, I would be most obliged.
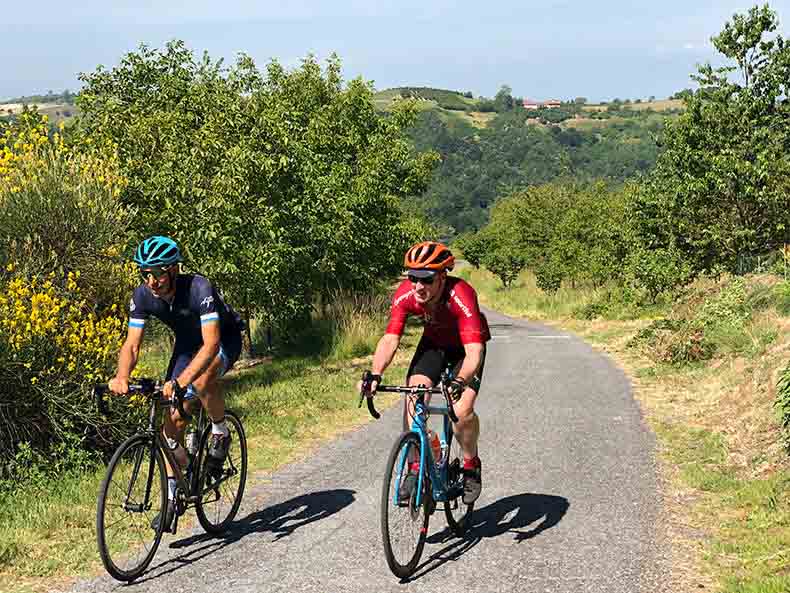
(550, 104)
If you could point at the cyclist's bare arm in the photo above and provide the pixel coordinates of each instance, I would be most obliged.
(472, 360)
(127, 360)
(385, 352)
(208, 351)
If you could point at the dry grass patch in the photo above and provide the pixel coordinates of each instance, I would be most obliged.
(480, 119)
(658, 105)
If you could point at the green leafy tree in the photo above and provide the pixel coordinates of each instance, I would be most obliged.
(590, 239)
(280, 185)
(505, 261)
(473, 246)
(503, 100)
(721, 189)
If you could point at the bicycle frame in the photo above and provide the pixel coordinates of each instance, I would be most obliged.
(186, 483)
(438, 472)
(438, 475)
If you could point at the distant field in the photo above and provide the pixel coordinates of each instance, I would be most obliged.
(586, 123)
(659, 105)
(55, 111)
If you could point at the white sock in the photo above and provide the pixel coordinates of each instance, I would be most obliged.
(220, 428)
(171, 488)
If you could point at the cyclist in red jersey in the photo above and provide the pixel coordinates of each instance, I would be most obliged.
(455, 332)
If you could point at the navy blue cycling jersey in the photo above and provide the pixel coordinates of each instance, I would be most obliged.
(195, 302)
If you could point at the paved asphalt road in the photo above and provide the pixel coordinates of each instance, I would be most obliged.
(569, 500)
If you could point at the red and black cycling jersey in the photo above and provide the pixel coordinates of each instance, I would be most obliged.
(454, 321)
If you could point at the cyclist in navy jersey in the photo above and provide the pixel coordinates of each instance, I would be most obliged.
(207, 344)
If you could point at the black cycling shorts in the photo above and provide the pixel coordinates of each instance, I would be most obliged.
(430, 360)
(229, 352)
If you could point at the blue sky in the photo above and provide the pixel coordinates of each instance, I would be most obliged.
(541, 49)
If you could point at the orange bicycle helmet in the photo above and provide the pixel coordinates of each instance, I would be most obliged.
(429, 256)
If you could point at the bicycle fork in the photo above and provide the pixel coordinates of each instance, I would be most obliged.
(139, 507)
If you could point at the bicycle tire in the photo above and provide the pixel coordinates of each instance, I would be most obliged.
(455, 511)
(214, 512)
(402, 559)
(136, 463)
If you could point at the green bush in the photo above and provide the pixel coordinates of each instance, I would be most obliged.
(472, 246)
(280, 185)
(781, 295)
(686, 346)
(592, 310)
(504, 263)
(728, 307)
(657, 270)
(549, 275)
(647, 336)
(782, 405)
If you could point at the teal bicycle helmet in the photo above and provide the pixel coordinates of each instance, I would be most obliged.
(157, 251)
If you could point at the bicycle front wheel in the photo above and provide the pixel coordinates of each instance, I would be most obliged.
(404, 523)
(133, 491)
(221, 490)
(457, 513)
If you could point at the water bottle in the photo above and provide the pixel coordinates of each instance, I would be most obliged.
(191, 441)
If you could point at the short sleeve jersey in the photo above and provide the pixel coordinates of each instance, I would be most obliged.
(456, 320)
(195, 303)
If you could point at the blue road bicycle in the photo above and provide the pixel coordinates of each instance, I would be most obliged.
(415, 480)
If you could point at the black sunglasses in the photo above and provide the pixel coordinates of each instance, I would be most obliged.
(155, 273)
(426, 281)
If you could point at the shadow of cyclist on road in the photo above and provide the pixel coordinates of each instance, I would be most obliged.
(281, 519)
(524, 515)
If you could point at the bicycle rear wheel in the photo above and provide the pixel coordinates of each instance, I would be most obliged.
(133, 491)
(221, 493)
(457, 513)
(404, 525)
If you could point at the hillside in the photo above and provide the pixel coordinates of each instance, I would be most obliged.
(452, 105)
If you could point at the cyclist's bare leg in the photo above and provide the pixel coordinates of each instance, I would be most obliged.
(467, 429)
(173, 428)
(209, 390)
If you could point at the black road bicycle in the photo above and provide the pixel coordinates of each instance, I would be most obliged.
(134, 490)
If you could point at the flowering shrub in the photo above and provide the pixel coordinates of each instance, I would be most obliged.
(52, 345)
(62, 231)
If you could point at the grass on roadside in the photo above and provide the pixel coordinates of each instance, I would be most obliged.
(727, 474)
(523, 298)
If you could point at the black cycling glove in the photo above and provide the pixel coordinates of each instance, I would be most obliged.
(367, 380)
(455, 388)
